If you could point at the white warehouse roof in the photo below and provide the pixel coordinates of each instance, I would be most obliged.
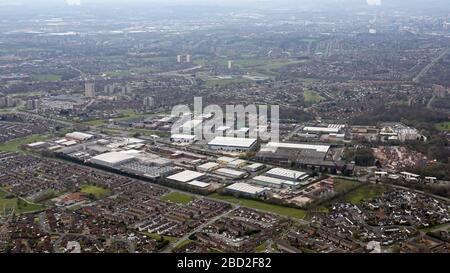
(233, 142)
(286, 173)
(316, 147)
(186, 176)
(199, 184)
(209, 166)
(183, 136)
(112, 158)
(246, 188)
(321, 129)
(79, 136)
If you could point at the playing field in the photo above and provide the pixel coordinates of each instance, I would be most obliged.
(96, 191)
(281, 210)
(178, 197)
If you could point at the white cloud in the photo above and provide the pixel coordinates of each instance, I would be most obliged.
(73, 2)
(374, 2)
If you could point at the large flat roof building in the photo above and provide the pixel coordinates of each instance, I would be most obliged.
(233, 144)
(287, 174)
(245, 189)
(186, 176)
(112, 159)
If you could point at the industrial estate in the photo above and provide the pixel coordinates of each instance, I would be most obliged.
(93, 159)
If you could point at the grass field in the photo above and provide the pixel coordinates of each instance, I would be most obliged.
(178, 197)
(46, 77)
(343, 185)
(133, 71)
(312, 97)
(281, 210)
(158, 237)
(225, 82)
(96, 191)
(15, 145)
(365, 193)
(444, 126)
(8, 202)
(260, 248)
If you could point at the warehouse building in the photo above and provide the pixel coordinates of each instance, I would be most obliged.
(233, 144)
(225, 160)
(181, 138)
(208, 167)
(237, 164)
(245, 189)
(186, 176)
(314, 157)
(254, 167)
(78, 136)
(230, 173)
(287, 174)
(112, 159)
(273, 182)
(199, 184)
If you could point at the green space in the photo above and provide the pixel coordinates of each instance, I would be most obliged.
(46, 77)
(443, 126)
(178, 197)
(158, 237)
(15, 145)
(260, 248)
(365, 193)
(133, 71)
(97, 192)
(268, 67)
(213, 82)
(312, 97)
(277, 209)
(9, 201)
(344, 185)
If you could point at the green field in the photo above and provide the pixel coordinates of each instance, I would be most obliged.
(46, 77)
(344, 185)
(225, 82)
(444, 126)
(365, 193)
(312, 97)
(133, 71)
(260, 248)
(8, 202)
(178, 197)
(277, 209)
(158, 237)
(96, 191)
(15, 145)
